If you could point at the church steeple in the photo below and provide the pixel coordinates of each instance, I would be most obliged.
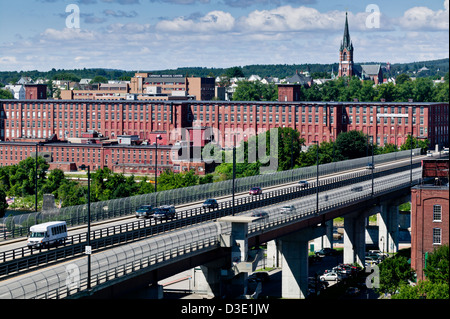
(346, 53)
(346, 42)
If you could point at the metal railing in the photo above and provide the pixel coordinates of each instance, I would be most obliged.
(155, 252)
(16, 260)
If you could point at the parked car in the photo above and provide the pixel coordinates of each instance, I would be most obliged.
(357, 189)
(377, 253)
(259, 276)
(303, 184)
(210, 203)
(260, 213)
(255, 191)
(331, 276)
(326, 252)
(164, 212)
(288, 209)
(145, 211)
(342, 271)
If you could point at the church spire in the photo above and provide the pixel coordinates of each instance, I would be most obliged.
(346, 42)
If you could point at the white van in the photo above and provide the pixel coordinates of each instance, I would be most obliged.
(47, 234)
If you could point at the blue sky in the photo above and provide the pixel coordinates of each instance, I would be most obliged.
(145, 35)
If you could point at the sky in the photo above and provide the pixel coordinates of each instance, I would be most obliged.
(148, 35)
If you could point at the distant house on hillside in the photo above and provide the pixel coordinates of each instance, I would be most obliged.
(299, 78)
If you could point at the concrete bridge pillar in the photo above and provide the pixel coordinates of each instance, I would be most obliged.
(207, 279)
(274, 253)
(388, 227)
(325, 241)
(241, 263)
(355, 238)
(294, 275)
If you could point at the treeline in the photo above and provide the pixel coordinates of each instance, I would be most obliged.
(350, 89)
(437, 69)
(348, 145)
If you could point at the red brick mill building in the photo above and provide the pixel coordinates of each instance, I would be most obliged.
(74, 131)
(429, 213)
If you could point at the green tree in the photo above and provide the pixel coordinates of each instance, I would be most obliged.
(437, 269)
(423, 144)
(436, 284)
(404, 91)
(402, 78)
(99, 79)
(6, 95)
(255, 91)
(367, 92)
(234, 72)
(385, 91)
(423, 290)
(352, 144)
(422, 91)
(441, 92)
(53, 182)
(394, 273)
(72, 194)
(3, 203)
(289, 147)
(145, 186)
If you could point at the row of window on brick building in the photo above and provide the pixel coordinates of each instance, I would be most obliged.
(74, 154)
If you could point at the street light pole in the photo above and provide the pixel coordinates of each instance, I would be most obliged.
(317, 177)
(234, 173)
(89, 228)
(373, 163)
(158, 137)
(411, 161)
(35, 181)
(88, 248)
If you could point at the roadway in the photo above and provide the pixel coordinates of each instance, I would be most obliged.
(117, 222)
(56, 275)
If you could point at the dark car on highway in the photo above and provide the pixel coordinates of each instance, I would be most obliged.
(260, 213)
(303, 184)
(255, 191)
(164, 212)
(210, 203)
(145, 211)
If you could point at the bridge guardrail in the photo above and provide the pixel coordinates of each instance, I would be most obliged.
(125, 233)
(17, 226)
(163, 251)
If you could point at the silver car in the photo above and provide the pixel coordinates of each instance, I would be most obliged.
(288, 209)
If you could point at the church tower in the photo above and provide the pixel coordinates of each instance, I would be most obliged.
(346, 53)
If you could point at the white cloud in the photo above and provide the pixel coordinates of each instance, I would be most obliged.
(67, 34)
(423, 18)
(7, 60)
(214, 21)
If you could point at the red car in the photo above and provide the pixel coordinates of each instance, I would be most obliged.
(255, 191)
